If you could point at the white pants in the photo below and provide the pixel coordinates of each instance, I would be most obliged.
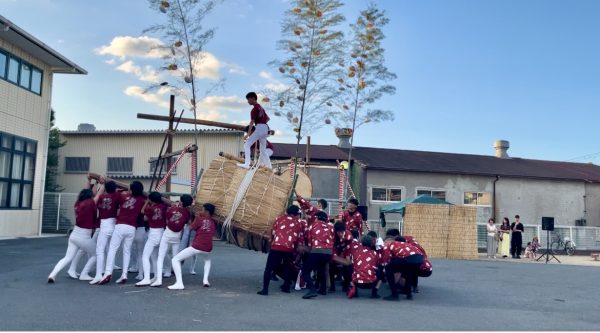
(188, 235)
(138, 248)
(184, 254)
(154, 237)
(107, 226)
(79, 239)
(91, 260)
(169, 239)
(123, 233)
(260, 135)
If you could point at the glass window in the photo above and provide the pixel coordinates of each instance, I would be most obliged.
(120, 165)
(19, 145)
(4, 164)
(17, 170)
(36, 81)
(13, 70)
(15, 190)
(155, 164)
(2, 65)
(25, 76)
(26, 195)
(433, 193)
(17, 166)
(3, 194)
(378, 194)
(29, 168)
(6, 141)
(386, 194)
(477, 198)
(77, 164)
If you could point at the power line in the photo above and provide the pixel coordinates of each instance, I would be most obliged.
(588, 156)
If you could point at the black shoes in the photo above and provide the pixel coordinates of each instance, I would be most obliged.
(310, 294)
(263, 292)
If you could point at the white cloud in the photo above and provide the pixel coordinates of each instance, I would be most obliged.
(207, 66)
(265, 75)
(153, 98)
(212, 116)
(110, 61)
(128, 46)
(235, 69)
(223, 103)
(280, 133)
(277, 87)
(147, 74)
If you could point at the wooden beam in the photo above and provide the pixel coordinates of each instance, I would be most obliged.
(198, 122)
(123, 186)
(175, 153)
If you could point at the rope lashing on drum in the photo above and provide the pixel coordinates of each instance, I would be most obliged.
(239, 197)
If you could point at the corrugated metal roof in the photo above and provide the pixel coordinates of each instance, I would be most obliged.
(151, 131)
(317, 152)
(423, 161)
(449, 163)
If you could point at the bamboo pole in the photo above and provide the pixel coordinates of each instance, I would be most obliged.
(123, 186)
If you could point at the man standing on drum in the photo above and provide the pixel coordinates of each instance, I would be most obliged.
(258, 118)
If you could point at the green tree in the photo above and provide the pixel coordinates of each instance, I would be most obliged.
(54, 144)
(311, 44)
(366, 78)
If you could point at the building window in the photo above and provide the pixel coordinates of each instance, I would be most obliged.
(15, 70)
(120, 165)
(477, 198)
(3, 59)
(77, 164)
(25, 77)
(155, 164)
(17, 169)
(385, 194)
(438, 194)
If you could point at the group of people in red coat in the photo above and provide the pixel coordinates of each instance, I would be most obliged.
(113, 217)
(361, 262)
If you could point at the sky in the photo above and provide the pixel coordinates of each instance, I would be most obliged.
(469, 72)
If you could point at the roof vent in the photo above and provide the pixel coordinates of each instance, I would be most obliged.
(501, 147)
(344, 134)
(86, 128)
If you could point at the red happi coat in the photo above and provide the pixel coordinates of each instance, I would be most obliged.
(286, 233)
(309, 210)
(353, 221)
(364, 263)
(320, 235)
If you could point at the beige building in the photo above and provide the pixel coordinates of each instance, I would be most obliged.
(27, 66)
(125, 154)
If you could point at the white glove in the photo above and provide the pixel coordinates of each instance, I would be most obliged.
(379, 243)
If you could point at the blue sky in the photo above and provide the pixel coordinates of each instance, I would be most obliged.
(469, 72)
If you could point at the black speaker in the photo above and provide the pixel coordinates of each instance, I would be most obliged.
(364, 211)
(548, 223)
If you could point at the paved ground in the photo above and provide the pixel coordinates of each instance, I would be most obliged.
(460, 295)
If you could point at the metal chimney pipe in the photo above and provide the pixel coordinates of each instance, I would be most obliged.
(501, 147)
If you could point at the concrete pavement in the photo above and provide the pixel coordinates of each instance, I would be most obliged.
(460, 295)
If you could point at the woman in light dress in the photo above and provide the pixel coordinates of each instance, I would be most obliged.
(504, 246)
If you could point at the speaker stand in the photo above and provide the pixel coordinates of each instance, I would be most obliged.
(548, 252)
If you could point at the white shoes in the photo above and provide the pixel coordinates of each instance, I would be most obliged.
(143, 283)
(96, 280)
(176, 287)
(244, 165)
(156, 283)
(85, 277)
(122, 280)
(193, 272)
(73, 275)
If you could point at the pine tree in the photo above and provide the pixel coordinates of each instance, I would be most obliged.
(311, 44)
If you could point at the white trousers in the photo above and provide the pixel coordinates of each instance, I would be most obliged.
(124, 234)
(154, 237)
(184, 254)
(107, 227)
(187, 236)
(260, 135)
(169, 239)
(79, 239)
(138, 249)
(91, 260)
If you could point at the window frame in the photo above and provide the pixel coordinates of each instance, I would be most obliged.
(431, 189)
(20, 63)
(387, 193)
(119, 173)
(477, 199)
(77, 171)
(164, 170)
(19, 180)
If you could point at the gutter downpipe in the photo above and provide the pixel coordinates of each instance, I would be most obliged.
(494, 198)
